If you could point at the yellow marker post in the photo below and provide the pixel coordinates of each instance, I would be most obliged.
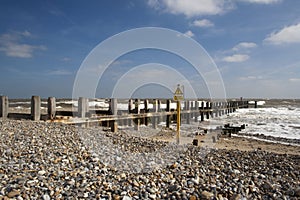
(178, 122)
(178, 96)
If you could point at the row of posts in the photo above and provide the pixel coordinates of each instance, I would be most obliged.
(35, 113)
(206, 110)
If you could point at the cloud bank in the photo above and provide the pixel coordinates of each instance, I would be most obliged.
(191, 8)
(11, 44)
(202, 23)
(236, 58)
(287, 35)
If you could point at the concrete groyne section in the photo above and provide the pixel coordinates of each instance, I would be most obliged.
(125, 112)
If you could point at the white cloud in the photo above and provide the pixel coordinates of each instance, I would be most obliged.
(236, 58)
(10, 44)
(290, 34)
(191, 8)
(262, 1)
(294, 79)
(26, 33)
(66, 59)
(244, 45)
(60, 72)
(202, 23)
(249, 78)
(189, 34)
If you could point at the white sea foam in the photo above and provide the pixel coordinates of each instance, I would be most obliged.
(259, 103)
(278, 122)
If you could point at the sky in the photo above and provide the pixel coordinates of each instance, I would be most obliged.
(254, 44)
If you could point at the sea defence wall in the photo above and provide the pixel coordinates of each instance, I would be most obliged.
(136, 113)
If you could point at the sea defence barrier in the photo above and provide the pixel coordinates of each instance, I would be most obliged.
(135, 112)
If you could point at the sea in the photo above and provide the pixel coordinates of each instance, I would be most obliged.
(273, 117)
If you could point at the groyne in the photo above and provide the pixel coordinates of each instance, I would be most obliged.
(137, 112)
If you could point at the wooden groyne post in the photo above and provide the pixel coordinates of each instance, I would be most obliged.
(35, 108)
(146, 110)
(202, 111)
(197, 109)
(137, 110)
(155, 110)
(187, 108)
(130, 110)
(114, 111)
(51, 108)
(83, 107)
(168, 109)
(3, 107)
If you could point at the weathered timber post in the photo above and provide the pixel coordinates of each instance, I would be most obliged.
(201, 112)
(120, 121)
(227, 107)
(155, 110)
(234, 106)
(51, 108)
(125, 121)
(114, 111)
(161, 117)
(184, 116)
(188, 115)
(83, 107)
(220, 108)
(223, 108)
(215, 109)
(137, 111)
(3, 107)
(168, 109)
(35, 108)
(146, 108)
(130, 110)
(192, 107)
(207, 112)
(197, 110)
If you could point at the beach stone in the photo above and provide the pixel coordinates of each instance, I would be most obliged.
(173, 188)
(150, 190)
(42, 172)
(123, 175)
(297, 192)
(195, 180)
(46, 197)
(32, 182)
(13, 193)
(236, 197)
(220, 197)
(206, 195)
(86, 195)
(116, 197)
(126, 198)
(135, 183)
(267, 186)
(20, 198)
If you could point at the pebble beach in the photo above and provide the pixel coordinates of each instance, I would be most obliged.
(42, 160)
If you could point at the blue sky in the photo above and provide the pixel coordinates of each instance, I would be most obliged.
(254, 43)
